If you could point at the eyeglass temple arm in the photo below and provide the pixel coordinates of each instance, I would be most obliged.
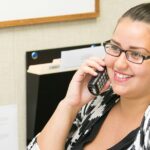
(146, 57)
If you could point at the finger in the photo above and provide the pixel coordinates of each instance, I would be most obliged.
(100, 61)
(89, 67)
(89, 70)
(93, 64)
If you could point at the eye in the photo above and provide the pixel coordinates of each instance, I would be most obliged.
(135, 55)
(114, 48)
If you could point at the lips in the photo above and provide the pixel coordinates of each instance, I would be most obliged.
(121, 76)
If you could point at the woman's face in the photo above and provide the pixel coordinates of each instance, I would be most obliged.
(129, 79)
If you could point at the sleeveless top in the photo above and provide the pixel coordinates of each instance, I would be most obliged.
(89, 119)
(94, 112)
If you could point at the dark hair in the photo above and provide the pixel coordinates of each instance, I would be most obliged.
(138, 13)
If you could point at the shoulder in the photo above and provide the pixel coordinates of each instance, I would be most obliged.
(33, 144)
(142, 140)
(145, 128)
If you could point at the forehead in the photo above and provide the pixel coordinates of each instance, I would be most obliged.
(132, 33)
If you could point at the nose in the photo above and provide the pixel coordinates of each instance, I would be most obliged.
(121, 62)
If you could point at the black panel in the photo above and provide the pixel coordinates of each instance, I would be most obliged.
(44, 92)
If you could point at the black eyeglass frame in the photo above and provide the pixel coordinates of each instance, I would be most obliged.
(125, 51)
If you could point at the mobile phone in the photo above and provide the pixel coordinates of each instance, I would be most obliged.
(97, 83)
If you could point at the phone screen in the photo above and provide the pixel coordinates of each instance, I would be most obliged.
(97, 83)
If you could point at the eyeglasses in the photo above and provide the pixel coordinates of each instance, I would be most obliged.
(132, 56)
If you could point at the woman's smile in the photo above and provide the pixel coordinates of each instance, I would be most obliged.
(121, 77)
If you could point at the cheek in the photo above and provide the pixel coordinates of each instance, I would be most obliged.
(141, 70)
(142, 74)
(141, 78)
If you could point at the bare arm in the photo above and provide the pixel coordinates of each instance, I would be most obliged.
(54, 134)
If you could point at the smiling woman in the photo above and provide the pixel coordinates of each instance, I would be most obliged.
(119, 117)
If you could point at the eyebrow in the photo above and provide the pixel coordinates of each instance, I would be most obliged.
(131, 47)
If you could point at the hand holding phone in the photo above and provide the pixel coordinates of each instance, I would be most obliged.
(97, 83)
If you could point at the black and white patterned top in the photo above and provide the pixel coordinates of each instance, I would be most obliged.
(94, 111)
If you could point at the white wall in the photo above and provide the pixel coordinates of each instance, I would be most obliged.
(15, 41)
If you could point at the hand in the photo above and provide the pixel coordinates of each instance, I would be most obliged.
(77, 96)
(78, 93)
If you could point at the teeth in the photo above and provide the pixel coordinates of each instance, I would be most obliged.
(122, 76)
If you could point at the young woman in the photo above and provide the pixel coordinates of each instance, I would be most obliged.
(119, 118)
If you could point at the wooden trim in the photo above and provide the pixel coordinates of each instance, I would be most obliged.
(52, 19)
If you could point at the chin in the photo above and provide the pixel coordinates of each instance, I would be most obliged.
(119, 90)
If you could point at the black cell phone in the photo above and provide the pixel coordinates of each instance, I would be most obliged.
(97, 83)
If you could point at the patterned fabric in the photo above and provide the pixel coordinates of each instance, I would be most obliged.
(33, 145)
(93, 111)
(88, 116)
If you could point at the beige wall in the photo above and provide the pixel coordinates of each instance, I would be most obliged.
(15, 41)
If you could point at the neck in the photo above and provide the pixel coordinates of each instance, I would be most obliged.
(133, 107)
